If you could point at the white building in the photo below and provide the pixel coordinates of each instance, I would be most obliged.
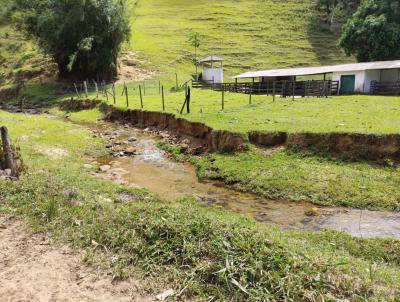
(212, 70)
(373, 77)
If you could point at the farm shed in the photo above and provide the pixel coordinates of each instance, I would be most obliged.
(212, 70)
(369, 78)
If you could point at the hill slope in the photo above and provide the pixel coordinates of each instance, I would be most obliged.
(247, 33)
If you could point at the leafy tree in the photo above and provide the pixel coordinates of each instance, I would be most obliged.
(332, 8)
(195, 41)
(373, 33)
(83, 36)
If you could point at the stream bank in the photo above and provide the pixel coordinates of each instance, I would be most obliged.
(146, 166)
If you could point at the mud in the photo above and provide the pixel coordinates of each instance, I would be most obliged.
(151, 168)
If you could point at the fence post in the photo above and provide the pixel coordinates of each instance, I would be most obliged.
(273, 90)
(126, 95)
(97, 89)
(223, 99)
(9, 160)
(141, 97)
(176, 81)
(162, 96)
(293, 89)
(113, 92)
(85, 87)
(76, 91)
(188, 100)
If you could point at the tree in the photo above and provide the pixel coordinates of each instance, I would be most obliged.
(333, 7)
(195, 41)
(373, 33)
(83, 36)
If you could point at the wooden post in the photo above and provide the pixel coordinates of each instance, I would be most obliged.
(162, 96)
(9, 162)
(126, 95)
(223, 99)
(113, 92)
(188, 100)
(176, 81)
(97, 89)
(141, 97)
(184, 103)
(76, 90)
(273, 90)
(86, 88)
(293, 89)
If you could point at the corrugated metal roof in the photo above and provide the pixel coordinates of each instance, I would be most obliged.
(319, 70)
(211, 59)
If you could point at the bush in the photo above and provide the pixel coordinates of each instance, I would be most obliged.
(83, 37)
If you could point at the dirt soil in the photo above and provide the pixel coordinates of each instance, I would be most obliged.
(33, 268)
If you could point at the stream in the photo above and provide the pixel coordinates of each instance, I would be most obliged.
(152, 169)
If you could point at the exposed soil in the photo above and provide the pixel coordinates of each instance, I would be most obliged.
(33, 268)
(203, 138)
(151, 168)
(133, 69)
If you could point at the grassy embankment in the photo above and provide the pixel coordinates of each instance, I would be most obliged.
(249, 34)
(209, 253)
(295, 176)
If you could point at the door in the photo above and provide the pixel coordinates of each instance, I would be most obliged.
(347, 84)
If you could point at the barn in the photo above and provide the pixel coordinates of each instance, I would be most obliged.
(367, 78)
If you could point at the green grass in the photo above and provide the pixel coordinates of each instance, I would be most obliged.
(249, 34)
(297, 176)
(355, 113)
(201, 252)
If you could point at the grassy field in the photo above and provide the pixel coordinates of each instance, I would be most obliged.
(209, 253)
(247, 33)
(356, 113)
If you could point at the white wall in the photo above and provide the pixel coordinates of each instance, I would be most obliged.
(390, 75)
(359, 80)
(371, 75)
(213, 73)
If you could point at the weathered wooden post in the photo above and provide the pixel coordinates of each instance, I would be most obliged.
(9, 161)
(113, 92)
(293, 89)
(188, 100)
(273, 90)
(141, 97)
(76, 91)
(85, 88)
(162, 97)
(223, 99)
(97, 89)
(126, 95)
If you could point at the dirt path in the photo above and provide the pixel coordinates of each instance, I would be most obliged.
(33, 269)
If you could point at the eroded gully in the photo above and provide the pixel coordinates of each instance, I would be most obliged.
(150, 168)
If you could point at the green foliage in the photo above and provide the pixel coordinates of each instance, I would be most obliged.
(373, 33)
(83, 37)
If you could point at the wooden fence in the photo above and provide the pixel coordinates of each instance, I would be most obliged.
(385, 88)
(282, 88)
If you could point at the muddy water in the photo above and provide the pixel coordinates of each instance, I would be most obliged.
(150, 168)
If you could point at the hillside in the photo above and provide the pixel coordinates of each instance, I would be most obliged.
(247, 33)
